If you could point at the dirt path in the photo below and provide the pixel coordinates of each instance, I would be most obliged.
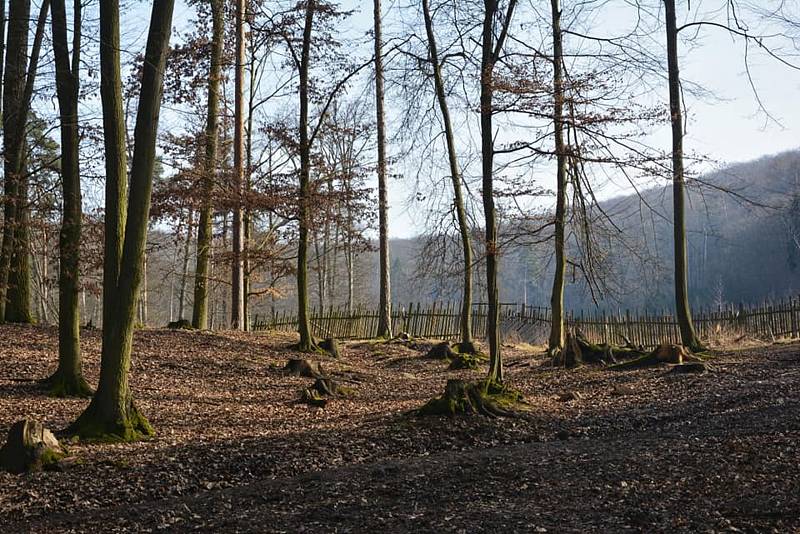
(638, 451)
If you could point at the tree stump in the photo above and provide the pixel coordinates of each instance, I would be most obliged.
(441, 351)
(30, 447)
(306, 368)
(331, 346)
(467, 361)
(478, 398)
(180, 324)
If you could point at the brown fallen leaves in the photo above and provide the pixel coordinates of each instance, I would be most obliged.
(235, 451)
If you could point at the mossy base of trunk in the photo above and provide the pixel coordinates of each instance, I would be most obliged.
(468, 361)
(466, 347)
(474, 398)
(322, 390)
(67, 385)
(441, 351)
(93, 426)
(331, 346)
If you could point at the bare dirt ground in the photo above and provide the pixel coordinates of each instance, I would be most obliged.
(639, 451)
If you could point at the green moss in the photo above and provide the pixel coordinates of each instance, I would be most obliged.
(482, 398)
(60, 386)
(93, 429)
(468, 361)
(50, 457)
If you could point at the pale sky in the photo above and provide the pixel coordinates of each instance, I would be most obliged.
(728, 128)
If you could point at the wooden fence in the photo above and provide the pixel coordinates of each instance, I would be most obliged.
(531, 323)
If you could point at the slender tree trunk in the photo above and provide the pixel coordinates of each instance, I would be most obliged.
(15, 250)
(68, 379)
(385, 291)
(490, 51)
(487, 153)
(556, 342)
(307, 343)
(684, 314)
(112, 414)
(204, 228)
(185, 268)
(237, 267)
(467, 344)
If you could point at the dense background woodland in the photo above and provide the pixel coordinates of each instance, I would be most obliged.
(176, 171)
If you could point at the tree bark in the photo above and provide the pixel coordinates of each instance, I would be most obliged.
(237, 266)
(185, 267)
(112, 414)
(307, 343)
(683, 311)
(15, 276)
(385, 292)
(556, 341)
(68, 379)
(204, 228)
(455, 174)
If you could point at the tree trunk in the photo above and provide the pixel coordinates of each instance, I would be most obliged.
(204, 228)
(557, 296)
(112, 414)
(385, 295)
(684, 314)
(455, 173)
(14, 260)
(68, 379)
(307, 343)
(237, 267)
(185, 268)
(487, 153)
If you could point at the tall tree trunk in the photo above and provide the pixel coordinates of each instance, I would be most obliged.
(14, 253)
(68, 379)
(684, 313)
(204, 228)
(185, 268)
(112, 414)
(556, 342)
(467, 344)
(307, 343)
(385, 290)
(237, 266)
(490, 51)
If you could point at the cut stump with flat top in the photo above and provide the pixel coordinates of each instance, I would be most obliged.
(30, 447)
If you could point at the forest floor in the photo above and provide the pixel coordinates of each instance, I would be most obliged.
(639, 450)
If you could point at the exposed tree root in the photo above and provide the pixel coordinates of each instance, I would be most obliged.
(664, 353)
(306, 368)
(578, 350)
(67, 385)
(474, 398)
(100, 425)
(322, 389)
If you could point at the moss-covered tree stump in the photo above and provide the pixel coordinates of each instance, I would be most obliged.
(474, 398)
(306, 368)
(30, 447)
(465, 360)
